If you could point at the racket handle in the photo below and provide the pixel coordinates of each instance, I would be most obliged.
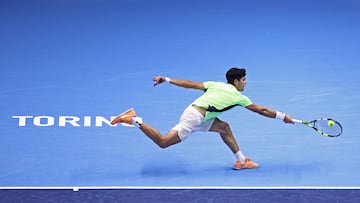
(298, 121)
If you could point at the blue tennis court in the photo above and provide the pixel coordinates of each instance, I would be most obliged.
(68, 67)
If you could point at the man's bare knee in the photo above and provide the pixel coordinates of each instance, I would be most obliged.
(225, 127)
(168, 140)
(163, 144)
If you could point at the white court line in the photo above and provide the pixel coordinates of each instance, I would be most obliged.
(76, 188)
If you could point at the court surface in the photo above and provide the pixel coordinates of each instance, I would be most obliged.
(67, 67)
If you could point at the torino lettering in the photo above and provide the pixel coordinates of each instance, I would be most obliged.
(63, 121)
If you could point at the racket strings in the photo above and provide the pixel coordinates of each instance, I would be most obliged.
(324, 127)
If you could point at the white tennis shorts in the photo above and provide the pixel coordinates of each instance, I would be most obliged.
(191, 121)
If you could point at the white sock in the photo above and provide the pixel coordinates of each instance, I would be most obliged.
(240, 156)
(137, 121)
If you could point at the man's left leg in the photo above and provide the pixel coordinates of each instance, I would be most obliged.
(227, 136)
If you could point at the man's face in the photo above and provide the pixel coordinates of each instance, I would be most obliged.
(240, 84)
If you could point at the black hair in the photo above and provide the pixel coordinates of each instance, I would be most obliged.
(235, 73)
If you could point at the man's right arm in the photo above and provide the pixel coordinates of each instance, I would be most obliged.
(179, 82)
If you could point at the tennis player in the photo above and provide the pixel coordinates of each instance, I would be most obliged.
(202, 114)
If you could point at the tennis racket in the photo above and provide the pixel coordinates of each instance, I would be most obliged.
(325, 126)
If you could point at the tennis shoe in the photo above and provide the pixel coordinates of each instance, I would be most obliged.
(125, 117)
(246, 165)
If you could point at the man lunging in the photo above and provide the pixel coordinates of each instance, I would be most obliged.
(202, 114)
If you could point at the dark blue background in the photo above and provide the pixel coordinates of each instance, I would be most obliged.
(97, 58)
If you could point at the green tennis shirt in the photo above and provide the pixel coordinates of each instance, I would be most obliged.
(220, 97)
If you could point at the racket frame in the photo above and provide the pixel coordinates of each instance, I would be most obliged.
(311, 125)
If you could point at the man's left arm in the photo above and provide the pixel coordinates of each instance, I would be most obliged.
(270, 113)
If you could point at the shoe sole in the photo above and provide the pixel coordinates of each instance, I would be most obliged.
(256, 165)
(245, 168)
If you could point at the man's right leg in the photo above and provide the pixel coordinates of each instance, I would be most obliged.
(129, 117)
(162, 141)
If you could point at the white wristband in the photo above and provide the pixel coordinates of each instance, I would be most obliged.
(280, 115)
(167, 79)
